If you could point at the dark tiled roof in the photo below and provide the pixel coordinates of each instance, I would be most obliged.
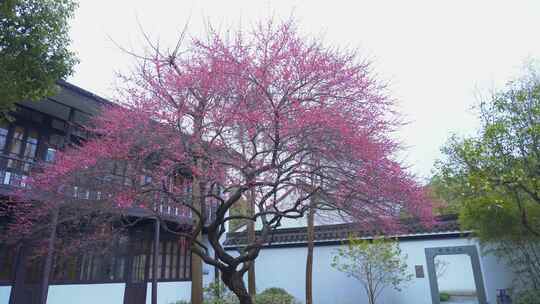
(443, 226)
(84, 92)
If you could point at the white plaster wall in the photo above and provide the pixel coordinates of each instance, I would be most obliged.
(170, 292)
(321, 217)
(4, 294)
(86, 294)
(285, 268)
(458, 276)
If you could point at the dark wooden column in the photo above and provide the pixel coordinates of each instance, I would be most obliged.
(309, 259)
(49, 259)
(196, 261)
(17, 289)
(252, 288)
(154, 262)
(217, 279)
(47, 268)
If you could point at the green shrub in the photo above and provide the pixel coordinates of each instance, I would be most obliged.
(275, 295)
(272, 295)
(528, 297)
(444, 297)
(218, 294)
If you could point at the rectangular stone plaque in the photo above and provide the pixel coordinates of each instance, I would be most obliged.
(419, 269)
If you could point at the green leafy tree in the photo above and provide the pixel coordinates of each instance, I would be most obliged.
(34, 52)
(445, 199)
(494, 176)
(377, 264)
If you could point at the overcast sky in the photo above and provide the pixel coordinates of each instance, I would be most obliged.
(437, 55)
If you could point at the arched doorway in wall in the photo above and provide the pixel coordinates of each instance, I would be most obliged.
(455, 271)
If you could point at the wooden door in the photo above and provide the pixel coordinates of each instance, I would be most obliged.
(135, 293)
(136, 286)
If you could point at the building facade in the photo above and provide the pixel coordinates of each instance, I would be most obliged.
(122, 273)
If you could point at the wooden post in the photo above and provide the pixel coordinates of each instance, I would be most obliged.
(309, 260)
(17, 289)
(217, 280)
(196, 261)
(49, 259)
(154, 262)
(252, 287)
(52, 238)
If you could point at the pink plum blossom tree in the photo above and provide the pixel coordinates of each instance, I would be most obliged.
(265, 113)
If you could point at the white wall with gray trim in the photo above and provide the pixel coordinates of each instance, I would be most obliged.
(112, 293)
(86, 293)
(285, 268)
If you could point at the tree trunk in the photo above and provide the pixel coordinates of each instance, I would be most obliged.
(252, 288)
(234, 281)
(309, 260)
(371, 295)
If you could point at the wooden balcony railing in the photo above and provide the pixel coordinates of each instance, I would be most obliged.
(14, 172)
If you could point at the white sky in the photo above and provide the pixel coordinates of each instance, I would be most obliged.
(436, 54)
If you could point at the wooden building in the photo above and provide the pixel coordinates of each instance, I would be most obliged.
(38, 131)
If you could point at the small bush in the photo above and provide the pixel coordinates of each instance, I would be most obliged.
(275, 296)
(214, 294)
(218, 294)
(528, 297)
(444, 297)
(272, 295)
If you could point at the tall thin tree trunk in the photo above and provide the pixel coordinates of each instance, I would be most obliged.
(196, 261)
(309, 260)
(371, 296)
(252, 288)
